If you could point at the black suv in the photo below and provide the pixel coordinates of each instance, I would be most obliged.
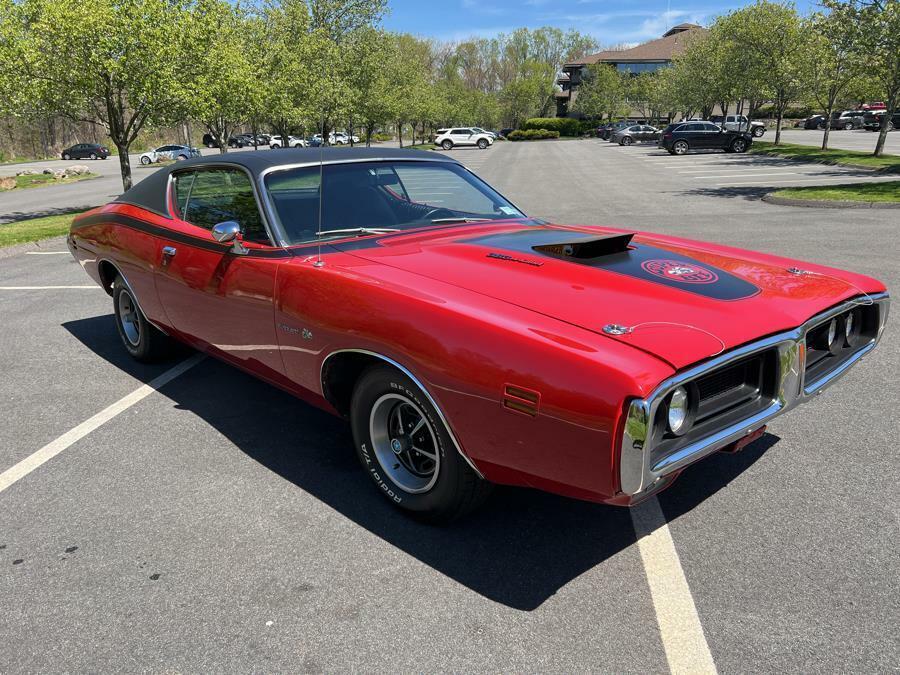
(233, 141)
(872, 120)
(682, 137)
(86, 151)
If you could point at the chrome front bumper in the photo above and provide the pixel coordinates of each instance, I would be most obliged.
(639, 475)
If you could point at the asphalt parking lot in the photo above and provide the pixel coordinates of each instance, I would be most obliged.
(217, 524)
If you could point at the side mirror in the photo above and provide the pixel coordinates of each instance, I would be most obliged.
(229, 231)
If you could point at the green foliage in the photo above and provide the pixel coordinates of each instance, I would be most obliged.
(35, 229)
(564, 126)
(602, 92)
(532, 134)
(887, 191)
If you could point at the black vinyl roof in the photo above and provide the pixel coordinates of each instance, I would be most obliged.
(150, 193)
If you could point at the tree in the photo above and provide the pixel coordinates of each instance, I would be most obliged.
(877, 23)
(833, 65)
(772, 44)
(122, 65)
(602, 92)
(225, 74)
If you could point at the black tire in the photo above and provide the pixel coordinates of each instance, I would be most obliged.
(93, 155)
(447, 144)
(680, 147)
(758, 132)
(145, 160)
(848, 126)
(143, 341)
(671, 151)
(739, 145)
(66, 155)
(626, 140)
(482, 143)
(447, 493)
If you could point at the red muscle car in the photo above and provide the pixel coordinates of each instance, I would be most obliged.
(466, 343)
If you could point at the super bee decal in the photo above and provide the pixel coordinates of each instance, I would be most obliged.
(679, 270)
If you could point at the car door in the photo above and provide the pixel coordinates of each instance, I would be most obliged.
(213, 296)
(462, 137)
(713, 135)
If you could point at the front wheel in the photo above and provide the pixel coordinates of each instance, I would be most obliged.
(482, 143)
(405, 447)
(446, 145)
(680, 147)
(848, 126)
(739, 145)
(66, 155)
(145, 160)
(626, 140)
(143, 341)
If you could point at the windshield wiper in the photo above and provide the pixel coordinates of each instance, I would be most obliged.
(358, 231)
(460, 219)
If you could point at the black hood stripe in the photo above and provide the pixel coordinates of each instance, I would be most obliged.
(640, 261)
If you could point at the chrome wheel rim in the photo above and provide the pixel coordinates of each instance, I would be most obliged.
(128, 318)
(739, 146)
(404, 442)
(681, 148)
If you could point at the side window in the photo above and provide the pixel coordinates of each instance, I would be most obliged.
(212, 196)
(711, 127)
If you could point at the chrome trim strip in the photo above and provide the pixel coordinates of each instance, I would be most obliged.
(635, 474)
(417, 382)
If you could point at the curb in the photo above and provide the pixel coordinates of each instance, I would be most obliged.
(16, 249)
(828, 204)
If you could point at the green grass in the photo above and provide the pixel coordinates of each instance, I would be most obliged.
(420, 146)
(42, 179)
(888, 191)
(35, 229)
(886, 163)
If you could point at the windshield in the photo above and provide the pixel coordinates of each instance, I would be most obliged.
(367, 197)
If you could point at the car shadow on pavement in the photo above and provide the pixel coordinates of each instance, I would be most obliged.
(519, 549)
(16, 216)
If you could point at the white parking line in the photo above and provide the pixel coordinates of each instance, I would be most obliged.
(841, 179)
(749, 175)
(679, 625)
(53, 448)
(41, 288)
(46, 252)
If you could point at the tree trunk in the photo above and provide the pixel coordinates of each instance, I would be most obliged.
(885, 121)
(400, 133)
(124, 166)
(779, 115)
(253, 131)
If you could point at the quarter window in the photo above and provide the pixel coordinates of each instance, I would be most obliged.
(211, 196)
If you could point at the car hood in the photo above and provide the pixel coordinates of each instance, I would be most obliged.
(680, 300)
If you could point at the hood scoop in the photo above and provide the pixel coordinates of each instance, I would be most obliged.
(587, 249)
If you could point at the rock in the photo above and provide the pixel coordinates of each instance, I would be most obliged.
(49, 172)
(59, 173)
(7, 183)
(77, 170)
(28, 172)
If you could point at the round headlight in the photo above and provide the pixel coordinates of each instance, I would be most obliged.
(678, 410)
(832, 332)
(848, 326)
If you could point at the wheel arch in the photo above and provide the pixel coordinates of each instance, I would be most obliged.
(108, 271)
(341, 370)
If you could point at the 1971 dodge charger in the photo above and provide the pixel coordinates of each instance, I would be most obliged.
(467, 343)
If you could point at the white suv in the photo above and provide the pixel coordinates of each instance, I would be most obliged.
(293, 142)
(449, 138)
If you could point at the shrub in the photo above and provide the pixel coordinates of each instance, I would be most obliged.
(565, 126)
(532, 134)
(379, 137)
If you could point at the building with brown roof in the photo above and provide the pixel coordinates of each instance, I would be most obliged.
(643, 58)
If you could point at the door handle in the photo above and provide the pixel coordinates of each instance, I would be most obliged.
(169, 251)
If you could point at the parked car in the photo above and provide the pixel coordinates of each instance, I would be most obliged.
(683, 137)
(814, 122)
(607, 130)
(506, 131)
(740, 123)
(314, 141)
(462, 136)
(876, 105)
(848, 119)
(637, 133)
(233, 141)
(872, 121)
(179, 153)
(85, 151)
(341, 138)
(479, 130)
(276, 142)
(466, 343)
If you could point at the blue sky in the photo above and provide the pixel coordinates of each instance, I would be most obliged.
(608, 22)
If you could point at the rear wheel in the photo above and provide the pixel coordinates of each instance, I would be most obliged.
(739, 145)
(143, 341)
(145, 160)
(406, 449)
(680, 147)
(93, 155)
(447, 144)
(66, 155)
(848, 126)
(759, 131)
